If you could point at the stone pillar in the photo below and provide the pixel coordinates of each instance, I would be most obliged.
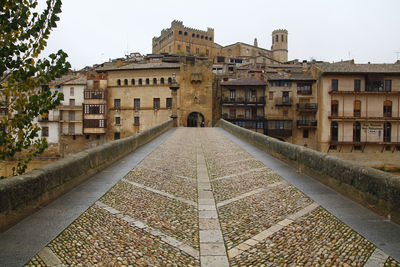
(174, 93)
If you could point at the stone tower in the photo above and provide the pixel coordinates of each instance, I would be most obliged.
(280, 45)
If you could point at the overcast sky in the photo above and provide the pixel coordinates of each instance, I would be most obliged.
(92, 31)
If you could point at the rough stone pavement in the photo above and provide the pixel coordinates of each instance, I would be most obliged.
(200, 200)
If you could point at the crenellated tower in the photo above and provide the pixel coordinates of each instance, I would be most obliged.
(279, 46)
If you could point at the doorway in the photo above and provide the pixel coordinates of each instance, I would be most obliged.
(195, 119)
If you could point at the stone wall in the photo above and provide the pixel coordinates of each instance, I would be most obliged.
(375, 189)
(21, 195)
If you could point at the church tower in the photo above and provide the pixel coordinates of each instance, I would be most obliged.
(280, 45)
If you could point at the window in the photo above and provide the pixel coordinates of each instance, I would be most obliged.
(136, 103)
(162, 80)
(193, 34)
(126, 82)
(357, 108)
(87, 137)
(94, 108)
(282, 37)
(180, 32)
(156, 103)
(206, 37)
(281, 83)
(357, 85)
(305, 133)
(334, 108)
(202, 37)
(136, 121)
(197, 35)
(169, 80)
(232, 95)
(119, 82)
(334, 85)
(387, 108)
(45, 131)
(188, 49)
(271, 95)
(210, 38)
(334, 131)
(285, 97)
(207, 52)
(279, 125)
(197, 50)
(185, 33)
(304, 89)
(154, 80)
(232, 113)
(168, 103)
(276, 38)
(388, 85)
(147, 81)
(117, 120)
(387, 132)
(117, 135)
(140, 81)
(133, 82)
(96, 84)
(179, 47)
(356, 132)
(72, 102)
(117, 103)
(71, 91)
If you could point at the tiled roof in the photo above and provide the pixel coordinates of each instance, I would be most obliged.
(290, 77)
(81, 79)
(244, 81)
(140, 66)
(348, 67)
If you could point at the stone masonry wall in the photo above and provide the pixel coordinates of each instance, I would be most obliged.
(20, 195)
(374, 189)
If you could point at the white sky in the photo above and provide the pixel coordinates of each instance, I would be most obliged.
(92, 31)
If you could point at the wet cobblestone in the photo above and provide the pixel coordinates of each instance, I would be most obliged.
(245, 218)
(170, 216)
(86, 243)
(318, 239)
(228, 188)
(164, 182)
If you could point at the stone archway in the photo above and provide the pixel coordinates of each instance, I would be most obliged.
(195, 119)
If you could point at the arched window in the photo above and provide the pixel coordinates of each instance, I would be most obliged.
(387, 132)
(357, 108)
(387, 108)
(133, 82)
(334, 131)
(356, 132)
(119, 82)
(276, 38)
(334, 108)
(140, 82)
(162, 80)
(147, 81)
(282, 38)
(154, 80)
(169, 80)
(126, 82)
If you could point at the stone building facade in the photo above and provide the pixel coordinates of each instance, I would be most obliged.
(179, 39)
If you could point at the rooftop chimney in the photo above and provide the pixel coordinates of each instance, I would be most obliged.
(255, 42)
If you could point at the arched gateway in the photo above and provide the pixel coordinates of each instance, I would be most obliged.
(195, 119)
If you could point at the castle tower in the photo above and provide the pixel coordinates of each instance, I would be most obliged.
(280, 45)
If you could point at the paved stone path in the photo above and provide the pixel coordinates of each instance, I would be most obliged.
(201, 200)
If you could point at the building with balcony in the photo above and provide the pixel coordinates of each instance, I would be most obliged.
(243, 103)
(292, 106)
(359, 111)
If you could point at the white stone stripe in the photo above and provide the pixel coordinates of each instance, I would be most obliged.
(167, 173)
(260, 237)
(49, 258)
(212, 248)
(256, 191)
(167, 239)
(378, 258)
(242, 173)
(189, 202)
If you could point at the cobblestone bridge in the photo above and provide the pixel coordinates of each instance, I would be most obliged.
(200, 197)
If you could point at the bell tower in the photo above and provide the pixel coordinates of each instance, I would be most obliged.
(280, 45)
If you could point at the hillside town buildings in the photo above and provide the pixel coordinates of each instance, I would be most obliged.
(345, 109)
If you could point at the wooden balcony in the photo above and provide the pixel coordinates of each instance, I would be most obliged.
(307, 123)
(241, 102)
(307, 107)
(279, 132)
